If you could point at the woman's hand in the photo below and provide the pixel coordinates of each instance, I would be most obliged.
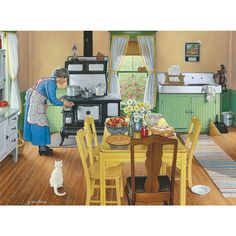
(68, 104)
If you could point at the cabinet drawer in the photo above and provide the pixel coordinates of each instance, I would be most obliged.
(12, 128)
(12, 119)
(12, 141)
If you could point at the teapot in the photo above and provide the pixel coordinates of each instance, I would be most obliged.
(99, 90)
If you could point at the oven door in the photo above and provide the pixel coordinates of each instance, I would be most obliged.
(94, 110)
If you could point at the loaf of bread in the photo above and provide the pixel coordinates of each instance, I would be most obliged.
(163, 130)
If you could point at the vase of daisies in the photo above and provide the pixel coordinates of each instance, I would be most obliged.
(138, 111)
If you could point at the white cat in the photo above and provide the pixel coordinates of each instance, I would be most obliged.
(56, 180)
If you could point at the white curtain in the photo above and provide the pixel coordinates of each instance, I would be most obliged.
(13, 70)
(147, 48)
(7, 80)
(118, 49)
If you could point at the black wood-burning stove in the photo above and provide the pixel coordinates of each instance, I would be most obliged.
(88, 72)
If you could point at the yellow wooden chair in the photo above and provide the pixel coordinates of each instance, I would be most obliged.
(92, 172)
(89, 124)
(190, 143)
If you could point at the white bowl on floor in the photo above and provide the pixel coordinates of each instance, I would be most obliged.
(200, 189)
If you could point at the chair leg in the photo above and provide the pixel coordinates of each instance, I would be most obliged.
(118, 193)
(190, 181)
(88, 196)
(121, 186)
(92, 181)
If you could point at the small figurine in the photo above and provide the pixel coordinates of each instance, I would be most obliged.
(221, 76)
(74, 51)
(100, 57)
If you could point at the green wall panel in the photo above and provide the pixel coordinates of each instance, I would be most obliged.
(53, 112)
(233, 104)
(21, 116)
(226, 101)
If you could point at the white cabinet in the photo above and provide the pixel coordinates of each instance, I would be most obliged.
(2, 68)
(8, 135)
(3, 140)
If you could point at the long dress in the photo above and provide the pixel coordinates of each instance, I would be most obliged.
(36, 128)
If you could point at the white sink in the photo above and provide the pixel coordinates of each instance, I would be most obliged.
(186, 88)
(194, 83)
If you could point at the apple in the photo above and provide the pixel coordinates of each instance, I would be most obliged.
(4, 103)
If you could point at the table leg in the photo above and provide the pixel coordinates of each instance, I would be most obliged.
(102, 161)
(183, 181)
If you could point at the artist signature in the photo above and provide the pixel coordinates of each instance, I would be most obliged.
(38, 202)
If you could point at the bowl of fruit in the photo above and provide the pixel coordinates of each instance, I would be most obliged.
(4, 105)
(117, 125)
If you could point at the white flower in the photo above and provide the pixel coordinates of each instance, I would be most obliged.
(141, 115)
(129, 102)
(148, 112)
(142, 109)
(136, 119)
(136, 115)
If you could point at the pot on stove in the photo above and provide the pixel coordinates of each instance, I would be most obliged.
(87, 93)
(73, 91)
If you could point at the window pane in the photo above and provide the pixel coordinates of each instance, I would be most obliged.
(132, 85)
(131, 63)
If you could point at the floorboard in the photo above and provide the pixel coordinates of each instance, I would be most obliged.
(27, 181)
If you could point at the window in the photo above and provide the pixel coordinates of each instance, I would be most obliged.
(132, 73)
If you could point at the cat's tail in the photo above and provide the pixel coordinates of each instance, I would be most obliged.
(57, 193)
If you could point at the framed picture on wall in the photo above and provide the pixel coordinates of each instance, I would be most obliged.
(192, 52)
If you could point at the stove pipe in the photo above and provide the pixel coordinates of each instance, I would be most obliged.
(88, 43)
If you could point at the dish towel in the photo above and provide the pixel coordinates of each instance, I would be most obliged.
(210, 92)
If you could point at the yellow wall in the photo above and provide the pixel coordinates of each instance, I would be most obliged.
(213, 51)
(23, 73)
(42, 51)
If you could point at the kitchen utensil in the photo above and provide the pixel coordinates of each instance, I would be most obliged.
(87, 93)
(99, 90)
(73, 91)
(153, 118)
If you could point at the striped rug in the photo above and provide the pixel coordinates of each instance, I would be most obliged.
(218, 164)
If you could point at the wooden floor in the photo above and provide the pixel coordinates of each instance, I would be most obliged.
(27, 182)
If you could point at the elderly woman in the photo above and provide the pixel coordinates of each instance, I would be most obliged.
(36, 128)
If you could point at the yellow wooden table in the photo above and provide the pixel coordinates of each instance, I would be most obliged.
(111, 155)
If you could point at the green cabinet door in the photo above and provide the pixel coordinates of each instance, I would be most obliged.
(205, 110)
(176, 109)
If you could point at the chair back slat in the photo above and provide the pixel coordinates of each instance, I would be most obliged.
(90, 125)
(91, 137)
(193, 135)
(153, 162)
(80, 139)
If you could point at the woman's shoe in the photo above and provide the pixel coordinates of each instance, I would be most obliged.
(45, 153)
(48, 148)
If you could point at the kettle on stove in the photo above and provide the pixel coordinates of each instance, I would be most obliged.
(99, 90)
